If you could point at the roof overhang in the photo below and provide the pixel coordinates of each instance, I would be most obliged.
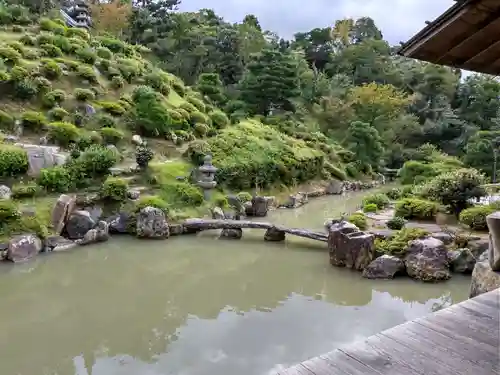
(466, 36)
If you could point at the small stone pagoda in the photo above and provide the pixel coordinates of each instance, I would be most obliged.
(206, 176)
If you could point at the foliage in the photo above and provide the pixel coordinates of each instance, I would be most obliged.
(143, 155)
(83, 95)
(394, 193)
(57, 179)
(396, 223)
(380, 200)
(414, 208)
(6, 121)
(244, 196)
(34, 121)
(359, 220)
(114, 189)
(398, 244)
(181, 193)
(63, 133)
(370, 207)
(475, 217)
(13, 161)
(25, 190)
(152, 201)
(111, 135)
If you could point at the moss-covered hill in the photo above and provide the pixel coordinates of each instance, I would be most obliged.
(82, 92)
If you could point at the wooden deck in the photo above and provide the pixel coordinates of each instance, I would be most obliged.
(459, 340)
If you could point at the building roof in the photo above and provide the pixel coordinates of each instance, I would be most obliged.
(466, 36)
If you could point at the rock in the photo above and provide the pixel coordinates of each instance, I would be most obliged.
(11, 139)
(235, 202)
(95, 212)
(79, 223)
(151, 223)
(427, 260)
(478, 247)
(136, 140)
(218, 213)
(40, 157)
(23, 247)
(335, 187)
(296, 201)
(63, 207)
(274, 235)
(384, 267)
(98, 234)
(383, 234)
(232, 234)
(43, 141)
(133, 194)
(483, 279)
(259, 206)
(493, 221)
(5, 192)
(89, 109)
(349, 247)
(118, 223)
(461, 260)
(175, 229)
(57, 243)
(442, 236)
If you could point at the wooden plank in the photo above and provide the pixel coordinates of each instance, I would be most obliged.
(425, 340)
(491, 298)
(489, 314)
(346, 364)
(298, 369)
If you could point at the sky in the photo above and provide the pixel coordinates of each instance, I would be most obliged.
(398, 19)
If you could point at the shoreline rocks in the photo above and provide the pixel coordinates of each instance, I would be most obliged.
(384, 267)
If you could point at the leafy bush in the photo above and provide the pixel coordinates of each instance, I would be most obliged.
(114, 189)
(111, 135)
(63, 133)
(25, 89)
(150, 116)
(103, 120)
(143, 155)
(359, 220)
(201, 130)
(58, 114)
(20, 191)
(87, 73)
(475, 217)
(10, 55)
(394, 194)
(370, 207)
(77, 32)
(152, 201)
(158, 81)
(396, 223)
(47, 24)
(219, 119)
(87, 55)
(380, 200)
(13, 161)
(104, 53)
(8, 211)
(83, 95)
(244, 197)
(335, 172)
(51, 69)
(34, 121)
(27, 40)
(42, 84)
(7, 121)
(112, 108)
(117, 82)
(398, 244)
(198, 103)
(414, 208)
(31, 55)
(114, 45)
(455, 188)
(45, 38)
(19, 73)
(50, 50)
(182, 193)
(95, 161)
(18, 46)
(53, 98)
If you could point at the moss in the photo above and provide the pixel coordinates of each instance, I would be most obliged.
(398, 244)
(359, 220)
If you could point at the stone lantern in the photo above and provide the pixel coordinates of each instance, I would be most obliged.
(206, 176)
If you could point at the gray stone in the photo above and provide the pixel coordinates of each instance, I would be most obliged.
(296, 200)
(442, 236)
(5, 192)
(478, 247)
(335, 187)
(11, 139)
(23, 247)
(133, 194)
(461, 260)
(218, 213)
(427, 260)
(483, 279)
(259, 206)
(95, 235)
(40, 157)
(231, 234)
(383, 234)
(175, 229)
(79, 223)
(493, 222)
(118, 223)
(384, 267)
(62, 209)
(274, 234)
(43, 141)
(151, 223)
(349, 247)
(137, 140)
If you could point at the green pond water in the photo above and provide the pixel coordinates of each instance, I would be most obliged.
(198, 305)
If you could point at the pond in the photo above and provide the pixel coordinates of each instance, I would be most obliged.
(198, 305)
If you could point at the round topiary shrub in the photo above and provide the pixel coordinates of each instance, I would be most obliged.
(13, 161)
(10, 55)
(51, 69)
(359, 220)
(475, 217)
(58, 114)
(201, 130)
(63, 133)
(87, 73)
(87, 55)
(18, 46)
(182, 193)
(117, 82)
(114, 189)
(394, 194)
(42, 84)
(29, 190)
(9, 211)
(25, 89)
(104, 120)
(28, 40)
(113, 108)
(370, 207)
(104, 53)
(219, 119)
(7, 121)
(244, 196)
(379, 199)
(396, 223)
(50, 50)
(53, 98)
(35, 121)
(143, 155)
(418, 209)
(74, 32)
(19, 73)
(198, 103)
(56, 179)
(95, 161)
(198, 117)
(111, 135)
(152, 201)
(83, 95)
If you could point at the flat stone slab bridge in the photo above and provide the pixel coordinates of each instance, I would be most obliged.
(461, 339)
(208, 224)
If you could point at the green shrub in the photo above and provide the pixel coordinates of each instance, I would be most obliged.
(379, 199)
(13, 161)
(56, 179)
(111, 135)
(9, 55)
(198, 103)
(150, 116)
(219, 119)
(83, 95)
(370, 207)
(47, 24)
(198, 117)
(25, 89)
(7, 121)
(475, 217)
(87, 73)
(188, 107)
(335, 172)
(454, 189)
(201, 130)
(42, 84)
(21, 191)
(414, 208)
(158, 81)
(45, 38)
(117, 82)
(51, 69)
(114, 189)
(394, 194)
(78, 33)
(8, 211)
(398, 244)
(17, 28)
(152, 201)
(50, 50)
(113, 108)
(103, 120)
(87, 55)
(244, 196)
(396, 223)
(28, 40)
(19, 73)
(63, 133)
(414, 172)
(359, 220)
(104, 53)
(182, 193)
(58, 114)
(114, 45)
(34, 121)
(31, 55)
(143, 155)
(18, 46)
(53, 98)
(63, 44)
(95, 161)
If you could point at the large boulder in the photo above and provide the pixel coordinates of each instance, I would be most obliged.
(23, 247)
(231, 234)
(348, 247)
(40, 157)
(296, 200)
(151, 223)
(79, 223)
(493, 222)
(63, 207)
(427, 260)
(334, 187)
(5, 192)
(274, 234)
(461, 260)
(384, 267)
(259, 206)
(483, 279)
(97, 234)
(478, 247)
(119, 223)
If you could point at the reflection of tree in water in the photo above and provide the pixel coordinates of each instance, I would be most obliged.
(444, 302)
